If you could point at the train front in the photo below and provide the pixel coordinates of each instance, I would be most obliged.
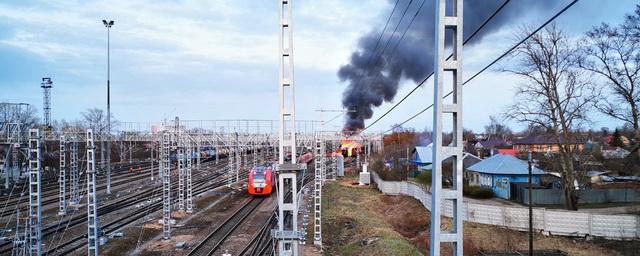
(260, 181)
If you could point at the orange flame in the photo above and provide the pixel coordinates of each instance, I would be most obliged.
(349, 146)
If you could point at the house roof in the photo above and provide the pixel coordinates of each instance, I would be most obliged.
(467, 160)
(544, 140)
(492, 143)
(504, 164)
(424, 154)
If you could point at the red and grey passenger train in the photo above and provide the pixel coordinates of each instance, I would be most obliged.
(262, 178)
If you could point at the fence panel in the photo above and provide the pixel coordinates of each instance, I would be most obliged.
(556, 222)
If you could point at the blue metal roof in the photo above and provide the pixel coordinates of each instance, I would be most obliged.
(504, 164)
(424, 154)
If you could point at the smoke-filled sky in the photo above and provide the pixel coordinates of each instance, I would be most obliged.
(205, 59)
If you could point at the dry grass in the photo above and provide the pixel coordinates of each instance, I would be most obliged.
(402, 225)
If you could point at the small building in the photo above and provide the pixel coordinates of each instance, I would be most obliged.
(422, 156)
(544, 144)
(487, 148)
(500, 172)
(615, 153)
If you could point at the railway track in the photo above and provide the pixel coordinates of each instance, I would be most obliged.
(260, 241)
(121, 203)
(54, 199)
(200, 186)
(213, 241)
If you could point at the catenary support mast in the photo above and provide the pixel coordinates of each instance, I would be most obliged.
(35, 196)
(62, 177)
(92, 212)
(447, 24)
(287, 233)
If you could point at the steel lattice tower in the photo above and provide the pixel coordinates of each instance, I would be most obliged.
(75, 192)
(166, 185)
(317, 195)
(92, 211)
(442, 67)
(35, 196)
(46, 100)
(287, 232)
(189, 198)
(62, 179)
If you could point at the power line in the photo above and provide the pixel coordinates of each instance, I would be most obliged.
(367, 68)
(375, 49)
(494, 61)
(486, 21)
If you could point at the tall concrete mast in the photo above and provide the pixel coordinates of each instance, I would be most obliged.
(287, 232)
(443, 67)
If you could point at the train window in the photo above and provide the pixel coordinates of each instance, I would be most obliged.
(259, 175)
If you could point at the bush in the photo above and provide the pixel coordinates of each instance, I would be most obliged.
(424, 178)
(481, 193)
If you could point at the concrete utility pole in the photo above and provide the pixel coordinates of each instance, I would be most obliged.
(93, 237)
(165, 165)
(287, 233)
(62, 177)
(181, 169)
(189, 198)
(75, 191)
(317, 194)
(35, 196)
(530, 163)
(108, 26)
(454, 66)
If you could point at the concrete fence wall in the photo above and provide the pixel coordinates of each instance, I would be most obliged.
(556, 196)
(554, 222)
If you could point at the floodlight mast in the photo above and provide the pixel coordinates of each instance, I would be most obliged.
(108, 25)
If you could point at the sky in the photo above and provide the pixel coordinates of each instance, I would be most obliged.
(218, 59)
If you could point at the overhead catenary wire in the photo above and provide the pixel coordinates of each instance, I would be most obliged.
(493, 62)
(365, 71)
(486, 21)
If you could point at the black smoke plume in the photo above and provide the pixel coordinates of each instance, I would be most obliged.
(370, 83)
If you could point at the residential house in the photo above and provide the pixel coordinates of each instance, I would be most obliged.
(500, 172)
(423, 158)
(543, 144)
(487, 148)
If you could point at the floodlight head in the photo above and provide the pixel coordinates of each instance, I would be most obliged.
(107, 24)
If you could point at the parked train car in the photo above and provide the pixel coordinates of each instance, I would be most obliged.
(305, 158)
(204, 154)
(261, 181)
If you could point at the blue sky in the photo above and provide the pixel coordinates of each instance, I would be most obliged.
(217, 59)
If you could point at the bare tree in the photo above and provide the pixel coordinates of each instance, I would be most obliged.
(613, 53)
(497, 130)
(95, 119)
(554, 94)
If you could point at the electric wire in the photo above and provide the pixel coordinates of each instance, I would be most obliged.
(494, 61)
(486, 21)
